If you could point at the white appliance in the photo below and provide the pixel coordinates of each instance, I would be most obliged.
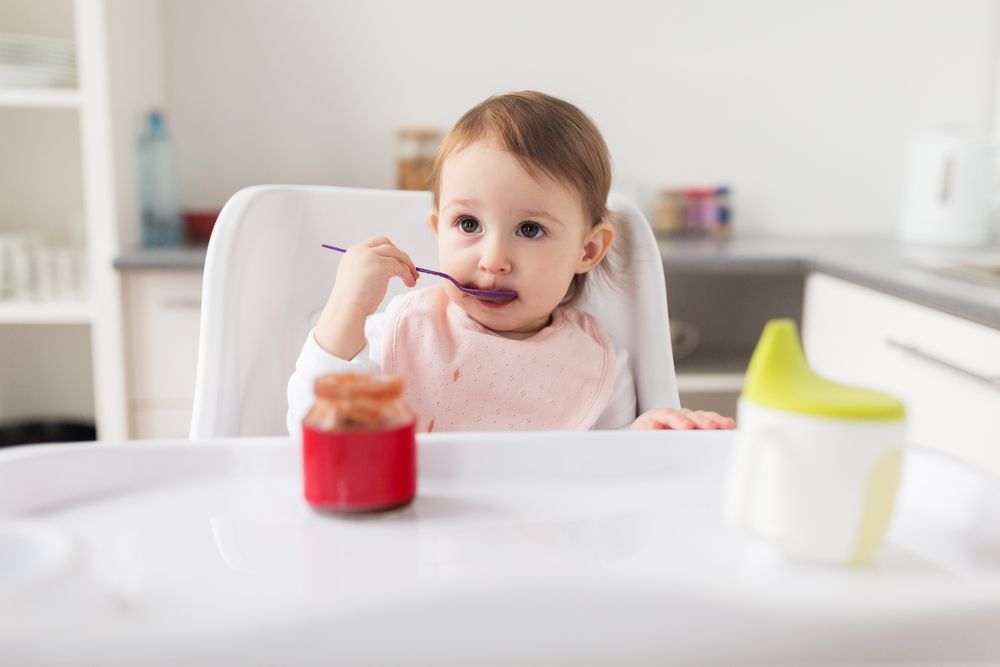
(948, 194)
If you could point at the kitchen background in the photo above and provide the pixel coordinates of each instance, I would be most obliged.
(805, 109)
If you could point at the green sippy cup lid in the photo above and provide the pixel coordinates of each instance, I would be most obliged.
(780, 377)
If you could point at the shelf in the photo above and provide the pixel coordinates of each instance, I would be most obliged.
(35, 312)
(40, 98)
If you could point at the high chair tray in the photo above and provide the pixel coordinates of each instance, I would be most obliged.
(567, 548)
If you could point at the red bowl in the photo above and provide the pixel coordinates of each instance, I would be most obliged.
(198, 225)
(359, 471)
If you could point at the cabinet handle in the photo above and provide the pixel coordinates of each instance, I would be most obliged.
(914, 351)
(181, 302)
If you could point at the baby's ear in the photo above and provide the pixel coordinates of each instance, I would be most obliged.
(432, 219)
(596, 245)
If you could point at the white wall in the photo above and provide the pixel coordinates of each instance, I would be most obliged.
(803, 107)
(136, 56)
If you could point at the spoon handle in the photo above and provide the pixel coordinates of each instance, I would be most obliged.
(437, 273)
(483, 293)
(430, 271)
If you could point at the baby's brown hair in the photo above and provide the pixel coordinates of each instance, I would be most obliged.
(544, 134)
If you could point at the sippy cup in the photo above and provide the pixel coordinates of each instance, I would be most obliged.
(358, 444)
(816, 464)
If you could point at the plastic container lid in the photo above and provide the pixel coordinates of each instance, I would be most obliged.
(780, 377)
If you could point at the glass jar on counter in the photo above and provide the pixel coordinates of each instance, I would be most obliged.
(359, 444)
(415, 162)
(668, 216)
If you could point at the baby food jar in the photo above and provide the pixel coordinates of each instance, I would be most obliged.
(358, 444)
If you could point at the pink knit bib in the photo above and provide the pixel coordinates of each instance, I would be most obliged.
(461, 376)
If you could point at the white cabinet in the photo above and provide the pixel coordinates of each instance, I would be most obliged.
(946, 369)
(163, 310)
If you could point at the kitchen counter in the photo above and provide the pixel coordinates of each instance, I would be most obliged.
(184, 257)
(882, 264)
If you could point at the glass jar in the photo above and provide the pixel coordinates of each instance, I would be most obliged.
(359, 444)
(348, 401)
(668, 216)
(415, 162)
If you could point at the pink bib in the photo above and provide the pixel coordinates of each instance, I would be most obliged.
(461, 376)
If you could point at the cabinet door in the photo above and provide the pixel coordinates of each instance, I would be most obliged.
(163, 312)
(940, 365)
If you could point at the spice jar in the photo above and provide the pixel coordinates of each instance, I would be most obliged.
(359, 444)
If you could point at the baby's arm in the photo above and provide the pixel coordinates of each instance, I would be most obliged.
(347, 338)
(314, 362)
(358, 291)
(681, 419)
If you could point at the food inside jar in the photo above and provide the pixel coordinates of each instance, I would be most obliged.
(349, 401)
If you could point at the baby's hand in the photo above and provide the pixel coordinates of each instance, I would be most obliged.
(365, 271)
(681, 419)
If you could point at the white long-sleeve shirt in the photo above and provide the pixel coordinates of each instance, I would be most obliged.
(314, 362)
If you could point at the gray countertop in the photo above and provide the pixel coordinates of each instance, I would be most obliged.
(145, 259)
(923, 275)
(918, 274)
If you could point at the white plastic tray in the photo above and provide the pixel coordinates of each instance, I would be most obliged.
(593, 548)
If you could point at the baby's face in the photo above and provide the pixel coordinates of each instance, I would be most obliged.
(500, 228)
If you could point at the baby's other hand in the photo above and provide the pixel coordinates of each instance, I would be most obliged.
(681, 419)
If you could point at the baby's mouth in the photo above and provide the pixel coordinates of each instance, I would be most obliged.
(496, 299)
(494, 294)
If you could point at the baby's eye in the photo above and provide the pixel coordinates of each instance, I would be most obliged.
(531, 230)
(469, 225)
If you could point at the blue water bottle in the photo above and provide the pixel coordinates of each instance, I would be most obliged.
(160, 206)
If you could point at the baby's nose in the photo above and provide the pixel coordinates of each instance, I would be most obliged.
(495, 258)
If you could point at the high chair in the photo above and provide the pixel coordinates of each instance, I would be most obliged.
(267, 279)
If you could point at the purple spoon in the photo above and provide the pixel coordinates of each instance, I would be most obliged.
(484, 293)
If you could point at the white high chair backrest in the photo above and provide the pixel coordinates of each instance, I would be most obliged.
(267, 278)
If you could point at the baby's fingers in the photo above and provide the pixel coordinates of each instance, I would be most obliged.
(393, 267)
(704, 419)
(375, 241)
(671, 419)
(391, 251)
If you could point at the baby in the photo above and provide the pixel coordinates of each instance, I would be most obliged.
(520, 188)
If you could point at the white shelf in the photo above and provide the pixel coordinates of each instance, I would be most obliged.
(40, 98)
(42, 312)
(100, 127)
